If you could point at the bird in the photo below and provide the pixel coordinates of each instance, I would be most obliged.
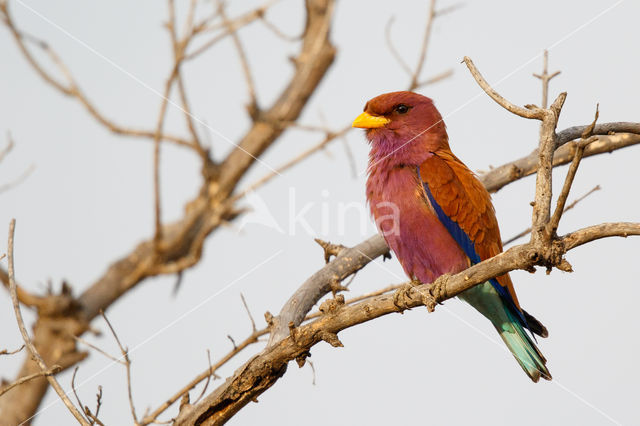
(437, 217)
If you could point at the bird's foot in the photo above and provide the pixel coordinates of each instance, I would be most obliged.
(436, 292)
(402, 296)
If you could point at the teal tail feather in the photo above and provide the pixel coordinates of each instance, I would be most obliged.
(488, 302)
(523, 349)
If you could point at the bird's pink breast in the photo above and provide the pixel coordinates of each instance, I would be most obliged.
(422, 244)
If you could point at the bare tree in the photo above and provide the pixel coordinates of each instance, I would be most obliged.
(63, 318)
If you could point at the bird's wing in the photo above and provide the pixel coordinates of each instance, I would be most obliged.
(464, 207)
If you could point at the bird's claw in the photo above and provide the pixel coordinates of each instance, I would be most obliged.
(403, 295)
(436, 292)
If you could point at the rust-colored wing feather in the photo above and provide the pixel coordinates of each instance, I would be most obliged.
(464, 199)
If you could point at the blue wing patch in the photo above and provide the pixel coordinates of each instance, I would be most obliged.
(469, 248)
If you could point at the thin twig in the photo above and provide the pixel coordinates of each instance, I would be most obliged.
(392, 47)
(313, 372)
(17, 181)
(533, 113)
(552, 226)
(91, 417)
(6, 351)
(157, 236)
(435, 78)
(25, 335)
(234, 26)
(75, 393)
(53, 370)
(211, 374)
(253, 338)
(92, 346)
(292, 162)
(233, 342)
(569, 207)
(545, 78)
(127, 360)
(246, 307)
(423, 49)
(98, 405)
(179, 47)
(275, 30)
(350, 158)
(414, 75)
(244, 62)
(72, 89)
(7, 149)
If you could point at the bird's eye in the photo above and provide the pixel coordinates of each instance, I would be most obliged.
(401, 109)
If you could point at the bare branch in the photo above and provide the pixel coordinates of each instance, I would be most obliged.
(233, 342)
(263, 370)
(50, 371)
(17, 181)
(392, 47)
(72, 89)
(525, 166)
(533, 113)
(178, 47)
(234, 25)
(423, 48)
(292, 162)
(275, 30)
(545, 78)
(552, 226)
(288, 341)
(75, 393)
(183, 240)
(415, 82)
(127, 361)
(98, 405)
(316, 56)
(253, 108)
(435, 78)
(91, 417)
(253, 338)
(344, 264)
(27, 340)
(569, 207)
(92, 346)
(211, 374)
(7, 149)
(595, 232)
(7, 352)
(246, 307)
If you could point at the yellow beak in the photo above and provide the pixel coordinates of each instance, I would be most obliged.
(368, 121)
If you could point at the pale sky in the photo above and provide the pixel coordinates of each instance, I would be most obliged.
(89, 201)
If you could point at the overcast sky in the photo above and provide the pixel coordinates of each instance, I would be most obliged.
(89, 201)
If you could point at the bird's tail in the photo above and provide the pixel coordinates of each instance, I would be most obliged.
(523, 349)
(488, 302)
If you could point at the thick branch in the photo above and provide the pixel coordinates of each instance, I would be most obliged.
(263, 370)
(302, 301)
(546, 148)
(181, 242)
(311, 64)
(501, 176)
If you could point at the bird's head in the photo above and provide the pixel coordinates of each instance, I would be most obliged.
(403, 125)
